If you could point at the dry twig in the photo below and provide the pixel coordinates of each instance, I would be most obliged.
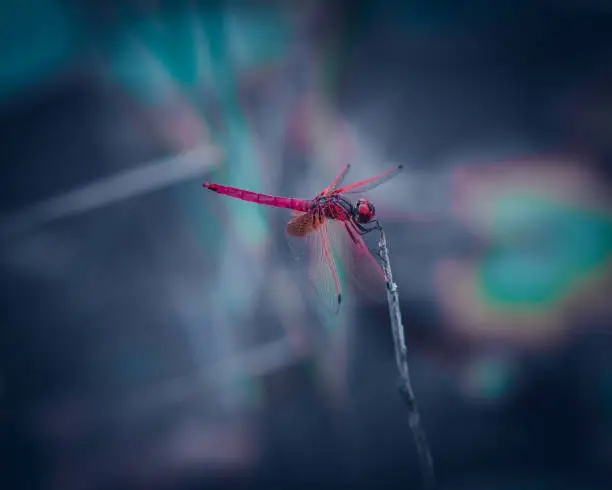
(401, 358)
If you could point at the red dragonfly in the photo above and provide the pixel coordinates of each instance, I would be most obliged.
(320, 222)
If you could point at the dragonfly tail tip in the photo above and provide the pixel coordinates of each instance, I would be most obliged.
(339, 298)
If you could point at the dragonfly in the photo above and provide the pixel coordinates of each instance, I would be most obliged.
(319, 224)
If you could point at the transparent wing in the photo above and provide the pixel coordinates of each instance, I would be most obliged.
(310, 244)
(336, 180)
(363, 266)
(332, 250)
(357, 260)
(371, 183)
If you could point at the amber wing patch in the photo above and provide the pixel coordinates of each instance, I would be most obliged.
(303, 224)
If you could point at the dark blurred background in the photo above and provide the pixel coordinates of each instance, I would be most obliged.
(158, 336)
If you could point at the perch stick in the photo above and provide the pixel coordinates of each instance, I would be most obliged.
(401, 358)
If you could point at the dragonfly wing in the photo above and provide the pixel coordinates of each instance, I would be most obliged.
(371, 183)
(310, 243)
(300, 225)
(363, 266)
(336, 180)
(358, 260)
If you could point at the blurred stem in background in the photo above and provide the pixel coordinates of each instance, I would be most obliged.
(196, 55)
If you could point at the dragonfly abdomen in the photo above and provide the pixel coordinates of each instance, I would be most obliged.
(303, 205)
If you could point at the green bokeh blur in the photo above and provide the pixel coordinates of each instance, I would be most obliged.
(556, 246)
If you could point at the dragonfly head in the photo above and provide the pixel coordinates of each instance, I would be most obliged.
(364, 211)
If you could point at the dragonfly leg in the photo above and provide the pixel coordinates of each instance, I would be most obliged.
(374, 225)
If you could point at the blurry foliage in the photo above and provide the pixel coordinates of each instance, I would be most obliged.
(557, 245)
(38, 38)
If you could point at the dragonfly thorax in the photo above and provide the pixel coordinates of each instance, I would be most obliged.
(333, 207)
(339, 208)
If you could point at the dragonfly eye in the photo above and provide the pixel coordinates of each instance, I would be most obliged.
(364, 211)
